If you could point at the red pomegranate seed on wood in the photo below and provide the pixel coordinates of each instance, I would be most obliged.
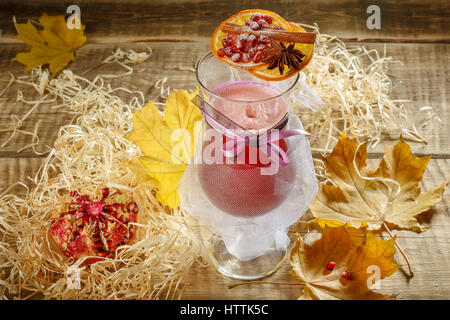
(347, 275)
(331, 265)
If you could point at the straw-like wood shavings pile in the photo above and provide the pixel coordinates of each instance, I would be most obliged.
(88, 155)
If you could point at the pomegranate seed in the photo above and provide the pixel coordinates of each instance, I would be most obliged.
(109, 208)
(254, 25)
(246, 48)
(132, 217)
(252, 52)
(263, 24)
(221, 52)
(244, 57)
(131, 206)
(116, 206)
(251, 40)
(131, 234)
(122, 219)
(264, 39)
(105, 193)
(258, 56)
(231, 37)
(331, 265)
(234, 49)
(106, 234)
(98, 244)
(122, 229)
(240, 43)
(346, 275)
(110, 244)
(236, 57)
(248, 22)
(226, 43)
(228, 52)
(102, 254)
(256, 16)
(267, 18)
(73, 194)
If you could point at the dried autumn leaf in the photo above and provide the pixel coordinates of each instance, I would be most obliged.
(359, 258)
(390, 195)
(167, 142)
(54, 45)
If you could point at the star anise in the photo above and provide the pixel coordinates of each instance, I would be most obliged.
(280, 56)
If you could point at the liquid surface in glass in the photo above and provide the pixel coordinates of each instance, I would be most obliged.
(240, 188)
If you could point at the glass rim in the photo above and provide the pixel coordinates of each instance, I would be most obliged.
(296, 77)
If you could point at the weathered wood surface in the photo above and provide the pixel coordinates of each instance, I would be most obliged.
(415, 33)
(419, 79)
(412, 21)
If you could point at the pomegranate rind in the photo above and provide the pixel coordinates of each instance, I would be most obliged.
(274, 74)
(239, 19)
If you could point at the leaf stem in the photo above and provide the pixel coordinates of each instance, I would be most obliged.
(399, 248)
(266, 282)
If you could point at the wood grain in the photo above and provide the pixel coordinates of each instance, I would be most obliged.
(408, 21)
(421, 78)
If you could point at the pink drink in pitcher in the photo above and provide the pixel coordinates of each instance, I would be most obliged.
(239, 188)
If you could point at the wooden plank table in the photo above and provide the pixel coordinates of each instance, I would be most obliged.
(414, 32)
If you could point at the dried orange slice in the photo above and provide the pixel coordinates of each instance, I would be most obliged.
(274, 75)
(245, 51)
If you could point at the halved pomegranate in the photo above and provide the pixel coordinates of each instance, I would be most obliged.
(95, 227)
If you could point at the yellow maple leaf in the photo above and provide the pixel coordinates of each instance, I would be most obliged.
(54, 45)
(390, 195)
(167, 142)
(360, 258)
